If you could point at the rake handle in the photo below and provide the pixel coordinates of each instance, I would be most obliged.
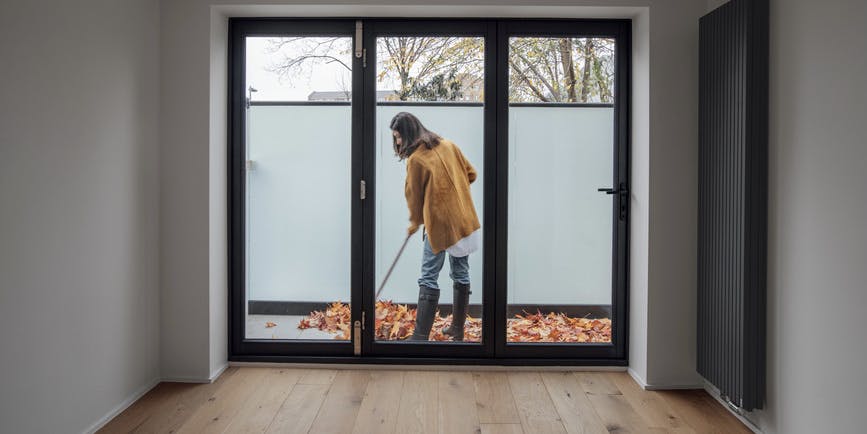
(390, 269)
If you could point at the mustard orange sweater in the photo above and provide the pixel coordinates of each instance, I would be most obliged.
(438, 194)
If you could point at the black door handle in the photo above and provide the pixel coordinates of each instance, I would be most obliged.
(613, 191)
(624, 196)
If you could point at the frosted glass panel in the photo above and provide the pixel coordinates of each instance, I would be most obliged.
(298, 211)
(560, 227)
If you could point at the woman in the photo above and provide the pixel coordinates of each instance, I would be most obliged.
(438, 179)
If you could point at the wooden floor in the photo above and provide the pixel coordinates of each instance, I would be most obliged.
(283, 400)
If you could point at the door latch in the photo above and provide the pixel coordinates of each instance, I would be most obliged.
(363, 190)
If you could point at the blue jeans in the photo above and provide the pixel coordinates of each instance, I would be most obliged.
(431, 264)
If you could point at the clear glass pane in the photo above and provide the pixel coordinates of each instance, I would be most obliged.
(298, 188)
(439, 80)
(560, 227)
(561, 70)
(430, 69)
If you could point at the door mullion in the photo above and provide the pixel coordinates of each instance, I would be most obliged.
(365, 81)
(499, 187)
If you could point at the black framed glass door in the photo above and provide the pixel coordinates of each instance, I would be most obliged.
(437, 71)
(562, 189)
(538, 110)
(294, 164)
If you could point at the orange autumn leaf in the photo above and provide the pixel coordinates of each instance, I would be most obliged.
(270, 324)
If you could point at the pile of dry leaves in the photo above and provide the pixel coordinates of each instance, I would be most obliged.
(335, 319)
(396, 322)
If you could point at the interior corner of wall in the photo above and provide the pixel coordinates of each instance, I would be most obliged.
(218, 190)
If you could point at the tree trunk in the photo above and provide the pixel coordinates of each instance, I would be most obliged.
(568, 68)
(585, 78)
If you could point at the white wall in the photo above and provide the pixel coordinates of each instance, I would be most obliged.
(78, 221)
(817, 245)
(662, 278)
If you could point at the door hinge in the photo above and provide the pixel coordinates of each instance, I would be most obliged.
(363, 326)
(356, 341)
(363, 190)
(360, 51)
(359, 27)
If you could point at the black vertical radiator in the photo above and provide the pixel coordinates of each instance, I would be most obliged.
(732, 200)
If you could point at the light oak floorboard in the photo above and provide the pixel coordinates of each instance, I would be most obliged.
(534, 404)
(378, 412)
(576, 411)
(217, 413)
(494, 401)
(146, 408)
(652, 408)
(457, 403)
(257, 413)
(318, 376)
(501, 428)
(174, 412)
(597, 383)
(393, 401)
(703, 413)
(297, 413)
(338, 412)
(419, 403)
(617, 414)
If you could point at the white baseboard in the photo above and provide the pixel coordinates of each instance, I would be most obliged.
(197, 380)
(130, 400)
(210, 379)
(217, 372)
(643, 383)
(637, 378)
(362, 366)
(714, 392)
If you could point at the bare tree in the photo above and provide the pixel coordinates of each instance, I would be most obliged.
(309, 52)
(446, 68)
(423, 62)
(548, 69)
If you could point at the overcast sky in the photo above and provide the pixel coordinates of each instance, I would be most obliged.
(321, 77)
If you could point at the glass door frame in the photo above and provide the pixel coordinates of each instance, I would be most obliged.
(427, 27)
(595, 353)
(494, 349)
(240, 347)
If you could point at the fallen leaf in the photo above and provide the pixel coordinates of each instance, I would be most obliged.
(394, 321)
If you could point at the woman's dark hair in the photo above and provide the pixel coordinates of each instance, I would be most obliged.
(412, 134)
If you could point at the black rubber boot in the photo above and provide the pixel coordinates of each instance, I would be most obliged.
(428, 298)
(459, 311)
